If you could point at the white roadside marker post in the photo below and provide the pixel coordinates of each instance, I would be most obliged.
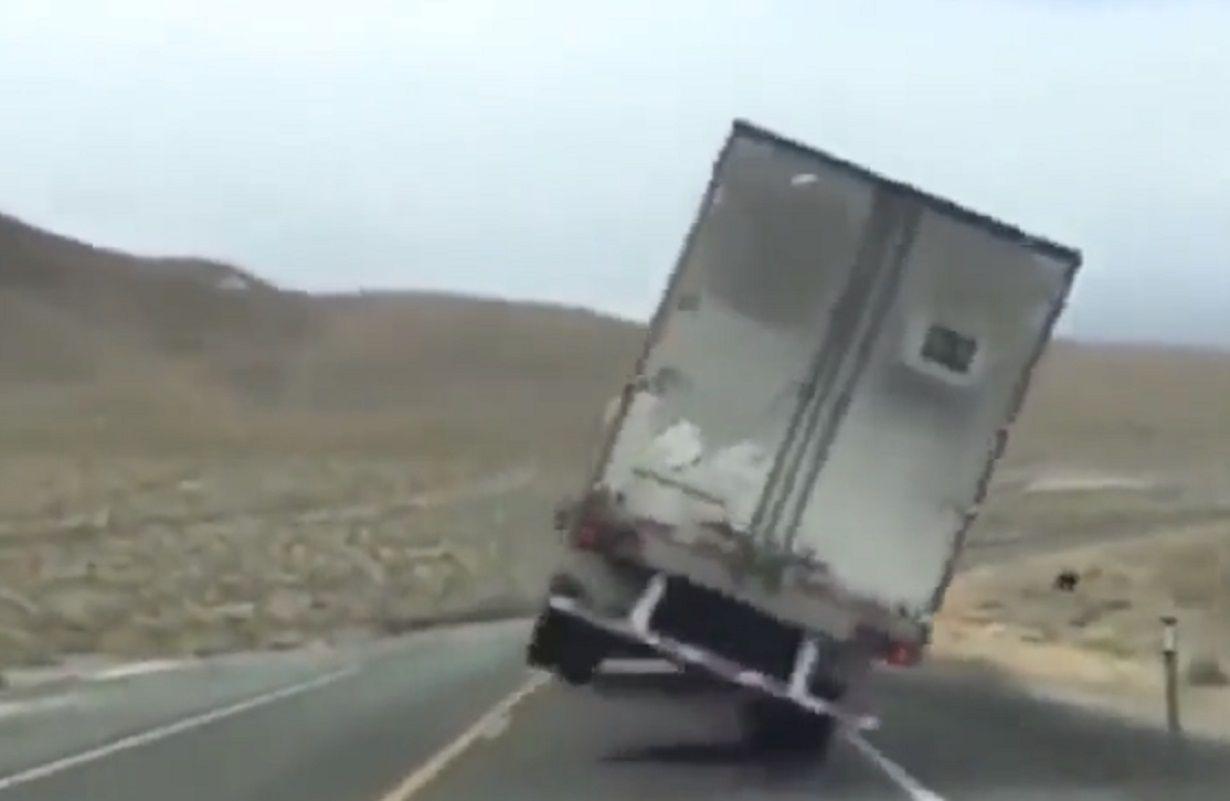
(1170, 660)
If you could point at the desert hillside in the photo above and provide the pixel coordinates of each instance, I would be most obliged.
(193, 460)
(119, 351)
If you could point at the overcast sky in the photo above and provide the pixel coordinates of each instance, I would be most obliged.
(557, 151)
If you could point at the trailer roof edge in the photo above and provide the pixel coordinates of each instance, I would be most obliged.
(999, 228)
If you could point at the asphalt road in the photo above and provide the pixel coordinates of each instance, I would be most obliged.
(399, 721)
(330, 727)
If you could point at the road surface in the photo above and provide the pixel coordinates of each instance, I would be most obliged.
(452, 714)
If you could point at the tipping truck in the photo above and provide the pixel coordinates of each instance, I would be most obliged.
(785, 484)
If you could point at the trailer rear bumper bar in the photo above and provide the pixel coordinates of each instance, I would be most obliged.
(637, 626)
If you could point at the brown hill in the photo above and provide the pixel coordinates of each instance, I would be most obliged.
(168, 306)
(90, 333)
(103, 347)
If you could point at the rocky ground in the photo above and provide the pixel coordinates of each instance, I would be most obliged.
(137, 557)
(1085, 622)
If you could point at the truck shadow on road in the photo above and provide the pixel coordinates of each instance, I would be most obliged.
(966, 732)
(724, 749)
(971, 730)
(672, 687)
(771, 772)
(696, 753)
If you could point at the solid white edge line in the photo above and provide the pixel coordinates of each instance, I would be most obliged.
(33, 706)
(419, 779)
(138, 669)
(159, 732)
(899, 775)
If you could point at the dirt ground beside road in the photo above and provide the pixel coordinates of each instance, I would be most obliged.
(1099, 641)
(137, 557)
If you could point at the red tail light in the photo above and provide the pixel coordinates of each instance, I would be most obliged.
(588, 537)
(593, 536)
(903, 654)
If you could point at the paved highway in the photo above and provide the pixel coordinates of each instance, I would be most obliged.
(307, 727)
(452, 715)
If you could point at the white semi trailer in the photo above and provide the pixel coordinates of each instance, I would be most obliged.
(785, 484)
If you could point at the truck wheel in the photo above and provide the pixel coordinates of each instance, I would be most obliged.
(566, 646)
(578, 663)
(546, 640)
(779, 726)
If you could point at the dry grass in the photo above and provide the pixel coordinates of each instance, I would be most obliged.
(207, 459)
(1107, 630)
(1100, 644)
(1127, 407)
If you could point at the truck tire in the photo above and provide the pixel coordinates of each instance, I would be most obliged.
(566, 646)
(772, 725)
(578, 664)
(544, 647)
